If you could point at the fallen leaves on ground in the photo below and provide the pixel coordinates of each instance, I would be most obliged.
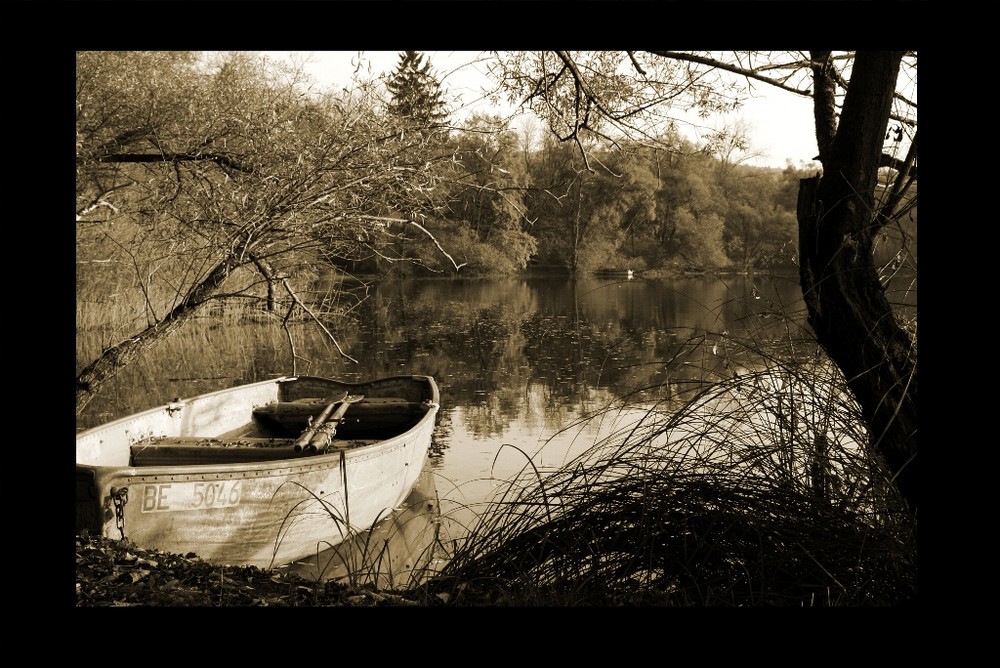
(113, 573)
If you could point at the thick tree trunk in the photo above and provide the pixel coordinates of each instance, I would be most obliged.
(847, 305)
(112, 360)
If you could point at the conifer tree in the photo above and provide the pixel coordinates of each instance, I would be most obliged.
(416, 92)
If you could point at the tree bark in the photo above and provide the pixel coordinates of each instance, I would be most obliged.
(847, 305)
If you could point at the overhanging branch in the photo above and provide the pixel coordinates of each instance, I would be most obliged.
(222, 160)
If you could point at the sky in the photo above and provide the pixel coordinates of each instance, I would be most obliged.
(781, 124)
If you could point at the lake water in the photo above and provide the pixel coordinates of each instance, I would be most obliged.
(520, 362)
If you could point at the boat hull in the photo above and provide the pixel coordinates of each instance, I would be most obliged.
(262, 514)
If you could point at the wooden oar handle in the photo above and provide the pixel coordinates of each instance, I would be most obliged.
(324, 434)
(307, 434)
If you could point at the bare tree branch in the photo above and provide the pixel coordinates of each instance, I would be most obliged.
(729, 67)
(296, 300)
(222, 160)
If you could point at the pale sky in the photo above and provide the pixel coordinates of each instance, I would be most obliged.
(781, 124)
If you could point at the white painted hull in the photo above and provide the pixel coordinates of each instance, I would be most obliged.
(264, 514)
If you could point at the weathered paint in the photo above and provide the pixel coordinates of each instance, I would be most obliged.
(262, 513)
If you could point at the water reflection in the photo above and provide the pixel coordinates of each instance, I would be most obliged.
(492, 338)
(401, 550)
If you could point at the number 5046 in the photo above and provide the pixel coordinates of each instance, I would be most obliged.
(217, 494)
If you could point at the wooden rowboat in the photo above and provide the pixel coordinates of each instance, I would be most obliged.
(261, 474)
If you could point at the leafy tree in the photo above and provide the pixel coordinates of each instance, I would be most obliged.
(759, 231)
(689, 215)
(485, 206)
(620, 196)
(631, 205)
(583, 221)
(416, 92)
(553, 176)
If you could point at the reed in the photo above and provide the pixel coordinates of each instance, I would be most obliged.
(759, 490)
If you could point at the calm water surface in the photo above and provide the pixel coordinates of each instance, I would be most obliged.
(520, 363)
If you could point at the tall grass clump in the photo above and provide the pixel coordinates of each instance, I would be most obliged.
(760, 491)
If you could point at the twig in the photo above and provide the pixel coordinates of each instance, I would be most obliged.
(312, 315)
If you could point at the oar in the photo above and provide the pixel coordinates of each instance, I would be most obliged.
(324, 434)
(307, 434)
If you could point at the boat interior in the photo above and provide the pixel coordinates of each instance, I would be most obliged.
(287, 430)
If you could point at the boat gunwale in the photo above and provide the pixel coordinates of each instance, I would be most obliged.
(332, 457)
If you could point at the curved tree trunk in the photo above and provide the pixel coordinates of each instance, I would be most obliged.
(847, 305)
(112, 360)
